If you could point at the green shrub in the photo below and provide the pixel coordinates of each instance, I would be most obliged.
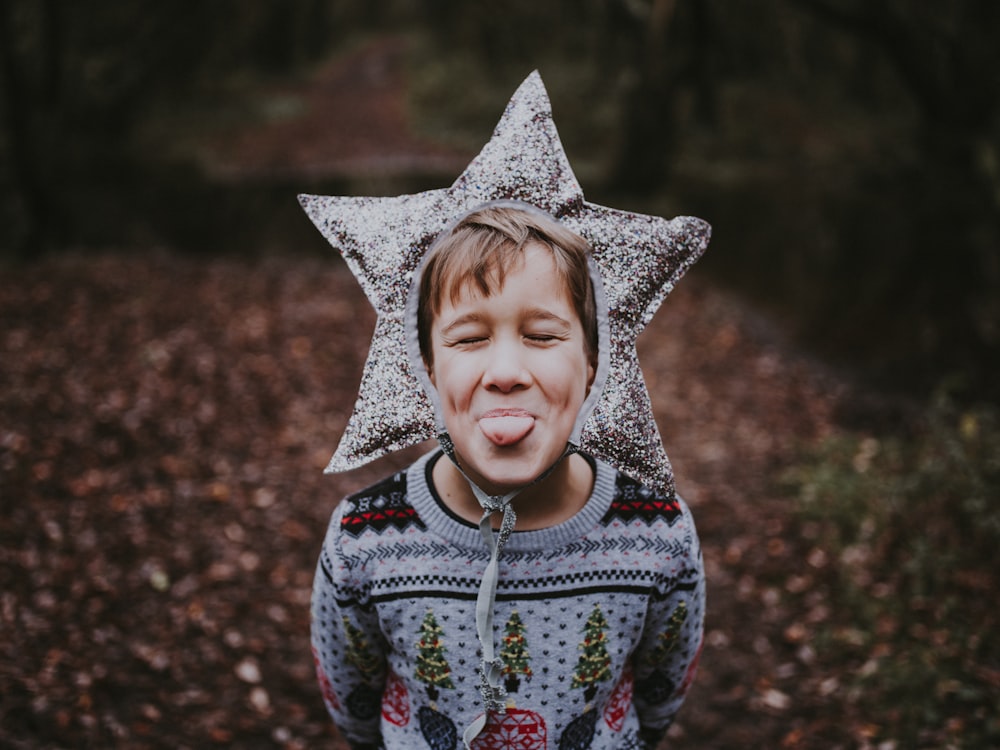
(911, 524)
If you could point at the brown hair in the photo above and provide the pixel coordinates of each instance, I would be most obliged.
(483, 246)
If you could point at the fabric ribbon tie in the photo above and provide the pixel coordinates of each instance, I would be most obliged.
(491, 667)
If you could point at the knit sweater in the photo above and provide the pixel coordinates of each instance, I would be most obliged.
(599, 619)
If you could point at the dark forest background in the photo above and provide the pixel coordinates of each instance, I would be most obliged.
(846, 151)
(180, 348)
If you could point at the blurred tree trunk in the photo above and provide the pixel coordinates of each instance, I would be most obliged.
(648, 117)
(666, 61)
(78, 80)
(30, 80)
(292, 34)
(948, 59)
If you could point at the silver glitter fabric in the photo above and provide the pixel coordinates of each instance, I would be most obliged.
(383, 240)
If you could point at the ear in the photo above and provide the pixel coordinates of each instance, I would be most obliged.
(430, 372)
(591, 375)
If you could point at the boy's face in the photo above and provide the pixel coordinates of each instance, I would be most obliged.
(512, 373)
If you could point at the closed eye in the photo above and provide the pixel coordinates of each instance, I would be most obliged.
(542, 339)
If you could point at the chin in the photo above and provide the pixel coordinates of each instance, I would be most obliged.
(518, 476)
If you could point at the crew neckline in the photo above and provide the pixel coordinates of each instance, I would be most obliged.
(448, 524)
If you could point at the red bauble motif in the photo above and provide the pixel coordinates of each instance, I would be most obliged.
(692, 670)
(618, 704)
(518, 729)
(324, 683)
(396, 701)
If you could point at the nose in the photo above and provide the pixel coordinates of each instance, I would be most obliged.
(505, 369)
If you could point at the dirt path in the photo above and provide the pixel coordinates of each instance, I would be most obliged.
(348, 120)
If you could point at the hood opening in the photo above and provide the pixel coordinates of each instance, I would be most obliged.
(419, 366)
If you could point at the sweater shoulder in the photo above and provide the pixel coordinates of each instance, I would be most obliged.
(633, 500)
(378, 507)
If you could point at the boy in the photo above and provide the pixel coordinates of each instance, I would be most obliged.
(594, 582)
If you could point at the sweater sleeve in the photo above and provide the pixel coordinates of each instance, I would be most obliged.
(666, 659)
(348, 647)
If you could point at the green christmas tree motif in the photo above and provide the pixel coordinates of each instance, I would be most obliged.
(594, 665)
(657, 686)
(668, 639)
(432, 667)
(514, 652)
(359, 653)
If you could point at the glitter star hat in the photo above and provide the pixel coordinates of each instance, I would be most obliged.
(384, 239)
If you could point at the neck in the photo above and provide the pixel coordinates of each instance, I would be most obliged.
(551, 501)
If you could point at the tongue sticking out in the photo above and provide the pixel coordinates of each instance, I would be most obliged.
(506, 430)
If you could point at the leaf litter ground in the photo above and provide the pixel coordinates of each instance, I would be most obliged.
(164, 423)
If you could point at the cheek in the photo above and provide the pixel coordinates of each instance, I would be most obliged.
(432, 359)
(453, 382)
(583, 374)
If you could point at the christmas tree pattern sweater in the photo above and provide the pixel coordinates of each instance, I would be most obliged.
(598, 620)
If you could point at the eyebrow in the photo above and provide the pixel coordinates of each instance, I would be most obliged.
(534, 314)
(538, 313)
(462, 320)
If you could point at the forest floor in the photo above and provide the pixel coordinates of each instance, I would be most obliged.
(164, 424)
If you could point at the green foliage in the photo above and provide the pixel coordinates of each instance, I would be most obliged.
(911, 524)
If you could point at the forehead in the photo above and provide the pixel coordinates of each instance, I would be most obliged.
(468, 271)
